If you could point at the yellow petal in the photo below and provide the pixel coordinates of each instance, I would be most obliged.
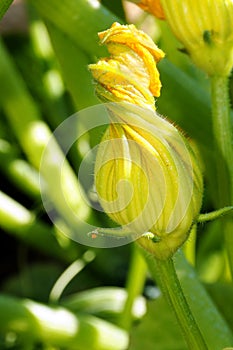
(152, 6)
(130, 74)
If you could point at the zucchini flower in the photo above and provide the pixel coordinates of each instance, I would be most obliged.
(205, 27)
(146, 175)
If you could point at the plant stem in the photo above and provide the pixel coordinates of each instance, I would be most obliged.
(22, 223)
(134, 286)
(216, 214)
(222, 129)
(165, 274)
(223, 135)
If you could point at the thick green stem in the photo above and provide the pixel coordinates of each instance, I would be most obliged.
(134, 286)
(222, 129)
(165, 274)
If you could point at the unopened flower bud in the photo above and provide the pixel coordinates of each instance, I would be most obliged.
(205, 27)
(148, 179)
(146, 175)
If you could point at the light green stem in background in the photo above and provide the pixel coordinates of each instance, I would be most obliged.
(189, 246)
(222, 128)
(18, 170)
(58, 326)
(22, 223)
(71, 271)
(165, 274)
(134, 286)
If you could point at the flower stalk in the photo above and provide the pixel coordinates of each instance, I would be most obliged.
(165, 274)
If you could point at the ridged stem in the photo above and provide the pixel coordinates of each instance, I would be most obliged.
(222, 129)
(165, 274)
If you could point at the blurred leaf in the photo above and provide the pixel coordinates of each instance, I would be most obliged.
(35, 281)
(222, 295)
(115, 7)
(214, 327)
(210, 259)
(158, 329)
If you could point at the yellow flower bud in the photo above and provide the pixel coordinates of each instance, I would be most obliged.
(146, 175)
(147, 178)
(130, 74)
(205, 27)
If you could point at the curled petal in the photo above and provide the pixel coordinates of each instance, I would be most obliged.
(152, 6)
(130, 74)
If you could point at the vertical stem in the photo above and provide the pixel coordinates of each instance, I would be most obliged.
(222, 129)
(134, 286)
(165, 274)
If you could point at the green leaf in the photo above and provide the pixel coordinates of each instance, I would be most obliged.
(212, 324)
(158, 329)
(222, 295)
(115, 7)
(35, 281)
